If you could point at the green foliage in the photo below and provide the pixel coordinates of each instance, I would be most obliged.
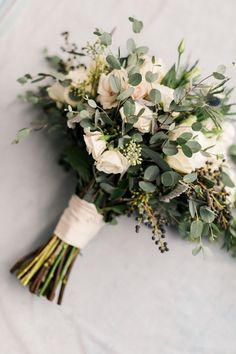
(113, 62)
(155, 96)
(170, 178)
(136, 24)
(21, 135)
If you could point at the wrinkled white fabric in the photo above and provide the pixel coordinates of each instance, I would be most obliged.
(79, 223)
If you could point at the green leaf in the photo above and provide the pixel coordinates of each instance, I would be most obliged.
(151, 77)
(151, 173)
(196, 250)
(132, 119)
(197, 126)
(194, 146)
(156, 157)
(125, 94)
(196, 228)
(208, 182)
(192, 208)
(191, 177)
(155, 96)
(136, 25)
(131, 46)
(135, 79)
(106, 187)
(147, 186)
(137, 137)
(170, 178)
(176, 192)
(106, 39)
(24, 79)
(187, 151)
(227, 180)
(179, 94)
(207, 215)
(113, 62)
(129, 107)
(141, 50)
(115, 83)
(86, 123)
(169, 148)
(218, 76)
(21, 135)
(158, 137)
(120, 190)
(184, 137)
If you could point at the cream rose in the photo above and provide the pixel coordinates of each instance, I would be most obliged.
(59, 93)
(112, 161)
(106, 96)
(144, 123)
(180, 162)
(94, 143)
(141, 90)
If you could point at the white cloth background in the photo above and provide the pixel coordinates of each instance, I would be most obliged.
(124, 297)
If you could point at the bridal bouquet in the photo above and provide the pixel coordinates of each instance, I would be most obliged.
(142, 140)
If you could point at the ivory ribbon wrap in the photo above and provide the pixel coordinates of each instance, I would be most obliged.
(79, 223)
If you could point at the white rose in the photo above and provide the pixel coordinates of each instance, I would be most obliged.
(141, 90)
(78, 76)
(180, 162)
(112, 161)
(106, 96)
(167, 95)
(94, 143)
(144, 123)
(59, 93)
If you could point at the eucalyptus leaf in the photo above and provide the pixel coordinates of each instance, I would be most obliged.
(227, 180)
(207, 215)
(191, 177)
(196, 228)
(115, 83)
(125, 94)
(21, 135)
(170, 178)
(155, 96)
(135, 79)
(106, 39)
(147, 186)
(151, 77)
(113, 62)
(151, 173)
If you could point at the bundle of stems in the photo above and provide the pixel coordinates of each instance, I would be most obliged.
(46, 268)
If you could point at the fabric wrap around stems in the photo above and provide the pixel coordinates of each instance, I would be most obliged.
(79, 223)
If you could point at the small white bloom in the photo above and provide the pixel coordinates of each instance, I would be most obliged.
(145, 121)
(94, 143)
(106, 96)
(167, 95)
(112, 161)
